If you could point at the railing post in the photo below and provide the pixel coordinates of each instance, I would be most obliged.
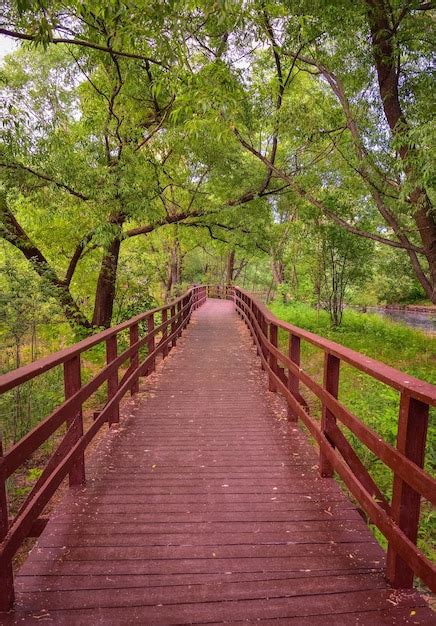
(134, 359)
(151, 344)
(264, 327)
(112, 381)
(7, 595)
(173, 325)
(181, 313)
(165, 349)
(272, 357)
(72, 384)
(293, 382)
(406, 502)
(331, 384)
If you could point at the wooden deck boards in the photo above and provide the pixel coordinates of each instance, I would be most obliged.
(203, 507)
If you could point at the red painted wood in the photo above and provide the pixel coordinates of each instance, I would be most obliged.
(328, 419)
(27, 372)
(406, 502)
(419, 389)
(340, 442)
(7, 595)
(293, 382)
(151, 342)
(357, 480)
(134, 359)
(112, 383)
(409, 472)
(72, 384)
(272, 358)
(173, 325)
(220, 516)
(165, 351)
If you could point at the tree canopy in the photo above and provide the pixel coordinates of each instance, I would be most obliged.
(149, 145)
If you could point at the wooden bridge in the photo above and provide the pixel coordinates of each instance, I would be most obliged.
(205, 502)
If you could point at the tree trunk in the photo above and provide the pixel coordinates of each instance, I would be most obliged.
(13, 232)
(105, 292)
(382, 35)
(230, 267)
(278, 271)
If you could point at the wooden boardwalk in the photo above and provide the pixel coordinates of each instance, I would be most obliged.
(202, 506)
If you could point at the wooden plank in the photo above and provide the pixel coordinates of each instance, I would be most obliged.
(219, 592)
(248, 610)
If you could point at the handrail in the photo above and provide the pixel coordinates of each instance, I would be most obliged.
(68, 458)
(419, 389)
(399, 519)
(27, 372)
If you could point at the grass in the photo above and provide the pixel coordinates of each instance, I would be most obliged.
(371, 401)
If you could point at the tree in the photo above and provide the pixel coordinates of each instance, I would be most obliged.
(345, 262)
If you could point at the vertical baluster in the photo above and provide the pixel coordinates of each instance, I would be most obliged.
(72, 384)
(331, 384)
(178, 317)
(406, 502)
(134, 359)
(259, 334)
(7, 595)
(264, 327)
(112, 381)
(165, 349)
(173, 325)
(272, 357)
(151, 344)
(186, 313)
(293, 382)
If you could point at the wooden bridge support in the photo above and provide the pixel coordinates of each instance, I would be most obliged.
(134, 359)
(293, 381)
(406, 502)
(112, 383)
(72, 384)
(328, 420)
(7, 595)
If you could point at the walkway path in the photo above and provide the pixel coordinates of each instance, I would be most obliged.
(203, 507)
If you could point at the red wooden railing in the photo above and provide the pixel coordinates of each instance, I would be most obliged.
(68, 457)
(398, 520)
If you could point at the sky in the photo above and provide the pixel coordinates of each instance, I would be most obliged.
(7, 44)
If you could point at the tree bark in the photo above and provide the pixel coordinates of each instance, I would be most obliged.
(230, 267)
(105, 291)
(12, 231)
(382, 34)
